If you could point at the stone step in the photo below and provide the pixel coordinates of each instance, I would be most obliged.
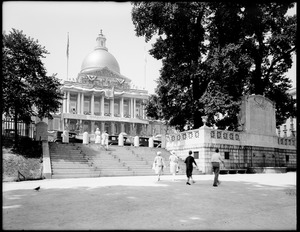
(147, 168)
(113, 168)
(66, 154)
(68, 166)
(71, 171)
(68, 158)
(116, 173)
(79, 175)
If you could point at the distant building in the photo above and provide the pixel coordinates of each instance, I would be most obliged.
(288, 129)
(101, 97)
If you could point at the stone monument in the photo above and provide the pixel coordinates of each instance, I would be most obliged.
(41, 131)
(257, 115)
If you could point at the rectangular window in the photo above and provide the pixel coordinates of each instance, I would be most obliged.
(126, 108)
(226, 154)
(196, 154)
(106, 107)
(287, 158)
(87, 105)
(97, 106)
(117, 108)
(137, 109)
(73, 104)
(56, 123)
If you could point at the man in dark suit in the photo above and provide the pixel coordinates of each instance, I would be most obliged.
(189, 167)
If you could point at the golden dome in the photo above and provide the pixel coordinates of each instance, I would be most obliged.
(100, 58)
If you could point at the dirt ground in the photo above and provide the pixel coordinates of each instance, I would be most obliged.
(241, 202)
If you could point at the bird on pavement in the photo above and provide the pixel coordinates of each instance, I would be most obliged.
(37, 188)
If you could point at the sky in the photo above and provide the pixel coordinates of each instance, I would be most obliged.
(51, 22)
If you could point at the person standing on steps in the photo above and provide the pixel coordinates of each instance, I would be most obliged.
(215, 162)
(98, 138)
(158, 164)
(189, 161)
(104, 141)
(173, 164)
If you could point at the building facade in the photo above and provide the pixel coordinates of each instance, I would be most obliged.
(289, 128)
(101, 97)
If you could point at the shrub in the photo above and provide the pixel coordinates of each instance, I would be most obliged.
(28, 148)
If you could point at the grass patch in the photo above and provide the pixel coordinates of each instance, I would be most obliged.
(22, 162)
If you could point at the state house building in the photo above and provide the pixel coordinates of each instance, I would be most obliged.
(102, 97)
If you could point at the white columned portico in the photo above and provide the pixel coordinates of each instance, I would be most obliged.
(122, 107)
(92, 104)
(68, 102)
(102, 106)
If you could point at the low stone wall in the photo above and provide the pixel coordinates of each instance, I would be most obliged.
(267, 170)
(239, 150)
(47, 173)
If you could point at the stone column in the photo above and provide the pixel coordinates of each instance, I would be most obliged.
(102, 127)
(82, 103)
(134, 108)
(143, 112)
(92, 127)
(112, 107)
(102, 106)
(64, 106)
(131, 108)
(122, 127)
(68, 102)
(78, 104)
(122, 107)
(112, 128)
(92, 104)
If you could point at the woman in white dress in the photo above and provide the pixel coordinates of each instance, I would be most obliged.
(173, 164)
(158, 164)
(104, 141)
(98, 137)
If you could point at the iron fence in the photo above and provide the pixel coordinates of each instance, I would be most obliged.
(23, 129)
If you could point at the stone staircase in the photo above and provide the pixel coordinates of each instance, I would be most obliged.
(79, 160)
(68, 161)
(105, 162)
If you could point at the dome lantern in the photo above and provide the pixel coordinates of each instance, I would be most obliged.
(101, 40)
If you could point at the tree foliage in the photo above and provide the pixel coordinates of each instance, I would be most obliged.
(27, 90)
(213, 53)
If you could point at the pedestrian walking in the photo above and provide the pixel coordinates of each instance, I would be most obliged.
(173, 164)
(105, 140)
(98, 138)
(215, 162)
(158, 165)
(189, 161)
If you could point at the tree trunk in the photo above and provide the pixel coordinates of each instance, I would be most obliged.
(16, 128)
(196, 96)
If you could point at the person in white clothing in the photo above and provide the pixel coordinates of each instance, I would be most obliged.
(215, 162)
(98, 137)
(104, 141)
(158, 164)
(173, 164)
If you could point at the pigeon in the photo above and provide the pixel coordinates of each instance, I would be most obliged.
(37, 188)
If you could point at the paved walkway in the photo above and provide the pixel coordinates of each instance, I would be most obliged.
(241, 202)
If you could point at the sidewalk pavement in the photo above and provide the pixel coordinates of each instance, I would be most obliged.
(241, 202)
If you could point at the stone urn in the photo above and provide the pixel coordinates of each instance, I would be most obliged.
(204, 120)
